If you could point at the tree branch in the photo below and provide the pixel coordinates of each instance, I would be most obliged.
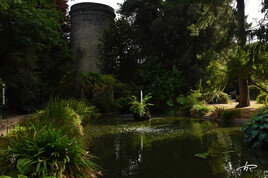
(260, 87)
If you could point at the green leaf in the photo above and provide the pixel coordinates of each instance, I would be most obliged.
(254, 133)
(255, 126)
(244, 128)
(38, 166)
(262, 136)
(170, 103)
(248, 139)
(265, 126)
(257, 144)
(203, 155)
(24, 165)
(22, 176)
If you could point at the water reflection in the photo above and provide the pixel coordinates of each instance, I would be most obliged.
(168, 147)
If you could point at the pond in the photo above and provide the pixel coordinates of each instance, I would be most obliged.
(168, 147)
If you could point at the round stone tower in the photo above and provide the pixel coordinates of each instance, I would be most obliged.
(88, 23)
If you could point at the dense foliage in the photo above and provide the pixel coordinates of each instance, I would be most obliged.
(85, 112)
(192, 104)
(104, 91)
(140, 108)
(163, 47)
(34, 52)
(256, 130)
(262, 98)
(48, 144)
(230, 114)
(216, 97)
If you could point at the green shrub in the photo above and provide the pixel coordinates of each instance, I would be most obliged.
(262, 98)
(217, 112)
(97, 88)
(45, 152)
(16, 130)
(254, 92)
(216, 97)
(124, 104)
(81, 107)
(49, 144)
(187, 102)
(221, 98)
(256, 130)
(61, 115)
(139, 108)
(199, 110)
(229, 115)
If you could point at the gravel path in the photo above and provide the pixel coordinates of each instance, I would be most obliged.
(246, 112)
(9, 123)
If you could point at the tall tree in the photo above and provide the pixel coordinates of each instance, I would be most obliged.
(34, 53)
(173, 39)
(243, 82)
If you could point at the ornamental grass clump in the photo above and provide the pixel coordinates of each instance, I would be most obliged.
(255, 131)
(61, 115)
(46, 152)
(49, 144)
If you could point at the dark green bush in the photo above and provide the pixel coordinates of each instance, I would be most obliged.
(191, 104)
(97, 88)
(123, 103)
(256, 130)
(229, 115)
(254, 92)
(262, 98)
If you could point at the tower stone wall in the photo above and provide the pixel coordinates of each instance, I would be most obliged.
(88, 23)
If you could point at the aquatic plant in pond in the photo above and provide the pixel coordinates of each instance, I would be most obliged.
(140, 109)
(256, 130)
(166, 147)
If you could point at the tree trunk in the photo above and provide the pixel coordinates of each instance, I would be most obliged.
(242, 38)
(244, 93)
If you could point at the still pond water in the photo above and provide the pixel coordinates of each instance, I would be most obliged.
(171, 147)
